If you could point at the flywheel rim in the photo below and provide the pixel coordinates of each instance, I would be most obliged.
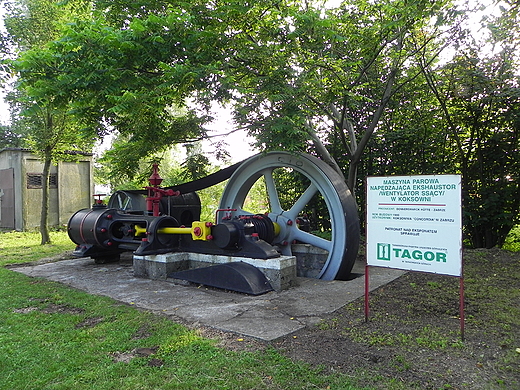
(343, 246)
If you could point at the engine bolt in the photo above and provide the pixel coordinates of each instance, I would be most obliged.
(290, 222)
(197, 231)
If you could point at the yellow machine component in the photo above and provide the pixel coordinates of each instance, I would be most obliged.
(174, 230)
(201, 231)
(198, 230)
(139, 230)
(276, 229)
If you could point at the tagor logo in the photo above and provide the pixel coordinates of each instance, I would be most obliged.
(383, 252)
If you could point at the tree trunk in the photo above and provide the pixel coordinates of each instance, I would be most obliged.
(357, 154)
(322, 150)
(44, 228)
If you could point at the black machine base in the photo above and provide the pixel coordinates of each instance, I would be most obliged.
(239, 276)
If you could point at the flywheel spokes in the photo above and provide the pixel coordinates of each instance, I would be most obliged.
(321, 184)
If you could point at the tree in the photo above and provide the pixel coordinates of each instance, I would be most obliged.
(478, 98)
(411, 138)
(293, 73)
(46, 127)
(481, 103)
(344, 67)
(113, 80)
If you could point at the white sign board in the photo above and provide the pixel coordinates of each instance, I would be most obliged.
(415, 223)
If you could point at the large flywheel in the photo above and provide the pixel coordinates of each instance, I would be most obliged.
(338, 234)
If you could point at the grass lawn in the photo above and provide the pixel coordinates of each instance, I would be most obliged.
(55, 337)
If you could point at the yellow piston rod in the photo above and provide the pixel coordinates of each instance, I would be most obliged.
(198, 231)
(174, 230)
(166, 230)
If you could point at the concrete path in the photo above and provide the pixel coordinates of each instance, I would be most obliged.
(265, 317)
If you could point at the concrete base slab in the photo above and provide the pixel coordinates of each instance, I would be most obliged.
(267, 317)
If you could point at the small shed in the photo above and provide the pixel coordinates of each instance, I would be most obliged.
(71, 187)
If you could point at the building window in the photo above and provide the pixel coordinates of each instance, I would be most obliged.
(35, 180)
(53, 180)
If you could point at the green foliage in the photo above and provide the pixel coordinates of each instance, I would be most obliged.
(175, 167)
(195, 165)
(281, 65)
(483, 118)
(9, 138)
(109, 78)
(33, 23)
(132, 171)
(512, 241)
(338, 62)
(45, 125)
(42, 117)
(210, 199)
(125, 167)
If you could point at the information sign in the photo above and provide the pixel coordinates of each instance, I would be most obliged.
(414, 223)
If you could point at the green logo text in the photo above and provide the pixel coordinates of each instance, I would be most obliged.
(385, 251)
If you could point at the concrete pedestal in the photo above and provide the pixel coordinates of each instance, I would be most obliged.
(310, 260)
(280, 271)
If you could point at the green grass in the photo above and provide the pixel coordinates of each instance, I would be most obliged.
(22, 247)
(512, 242)
(56, 337)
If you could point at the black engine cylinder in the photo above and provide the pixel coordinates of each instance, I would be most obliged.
(91, 226)
(106, 228)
